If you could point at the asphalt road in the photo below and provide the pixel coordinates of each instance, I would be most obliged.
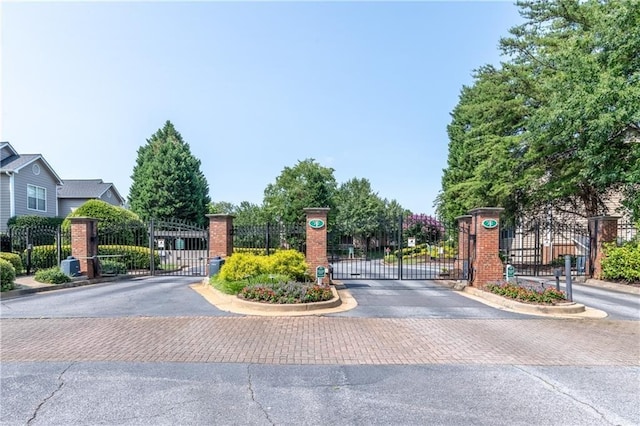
(144, 296)
(241, 394)
(617, 305)
(541, 388)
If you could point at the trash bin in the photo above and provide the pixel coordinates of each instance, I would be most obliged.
(214, 265)
(179, 244)
(70, 266)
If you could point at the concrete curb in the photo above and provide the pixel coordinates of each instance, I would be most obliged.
(342, 301)
(566, 310)
(11, 294)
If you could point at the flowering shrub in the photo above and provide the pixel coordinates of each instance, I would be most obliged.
(286, 293)
(547, 296)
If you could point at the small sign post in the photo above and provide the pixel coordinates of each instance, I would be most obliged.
(321, 271)
(411, 242)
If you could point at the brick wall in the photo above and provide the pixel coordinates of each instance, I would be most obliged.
(84, 244)
(487, 265)
(317, 241)
(220, 235)
(603, 229)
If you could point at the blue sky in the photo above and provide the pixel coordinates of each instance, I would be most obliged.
(363, 87)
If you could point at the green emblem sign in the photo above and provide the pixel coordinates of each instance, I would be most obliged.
(490, 223)
(321, 271)
(316, 223)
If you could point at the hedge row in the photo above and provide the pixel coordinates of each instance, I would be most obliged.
(622, 263)
(241, 266)
(134, 257)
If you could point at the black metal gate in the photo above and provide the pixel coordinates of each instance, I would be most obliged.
(537, 247)
(417, 247)
(171, 247)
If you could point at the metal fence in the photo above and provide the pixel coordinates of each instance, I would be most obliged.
(39, 247)
(627, 231)
(269, 237)
(538, 247)
(171, 247)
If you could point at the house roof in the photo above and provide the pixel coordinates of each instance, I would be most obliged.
(86, 188)
(16, 162)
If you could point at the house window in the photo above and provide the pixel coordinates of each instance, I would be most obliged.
(36, 198)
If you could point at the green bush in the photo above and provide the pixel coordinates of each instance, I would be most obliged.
(52, 276)
(7, 275)
(115, 224)
(286, 293)
(622, 263)
(44, 257)
(113, 267)
(30, 221)
(256, 251)
(288, 262)
(241, 266)
(15, 260)
(548, 296)
(133, 257)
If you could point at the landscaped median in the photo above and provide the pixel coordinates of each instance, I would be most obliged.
(565, 309)
(340, 302)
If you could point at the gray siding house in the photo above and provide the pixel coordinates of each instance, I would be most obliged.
(28, 185)
(75, 192)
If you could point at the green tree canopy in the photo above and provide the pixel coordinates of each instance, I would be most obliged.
(359, 210)
(307, 184)
(558, 122)
(167, 180)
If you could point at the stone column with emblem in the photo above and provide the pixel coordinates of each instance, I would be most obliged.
(486, 264)
(316, 230)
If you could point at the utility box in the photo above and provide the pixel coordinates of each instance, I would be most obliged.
(70, 266)
(214, 265)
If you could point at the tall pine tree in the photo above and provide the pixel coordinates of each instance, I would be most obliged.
(167, 180)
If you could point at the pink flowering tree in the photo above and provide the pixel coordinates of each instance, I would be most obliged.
(424, 228)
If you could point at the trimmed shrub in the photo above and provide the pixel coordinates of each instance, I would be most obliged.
(241, 266)
(286, 293)
(113, 267)
(288, 262)
(44, 257)
(622, 263)
(133, 257)
(547, 296)
(30, 221)
(7, 275)
(15, 260)
(52, 276)
(115, 223)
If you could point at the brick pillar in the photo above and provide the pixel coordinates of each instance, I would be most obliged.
(84, 244)
(317, 241)
(603, 229)
(464, 247)
(220, 235)
(487, 266)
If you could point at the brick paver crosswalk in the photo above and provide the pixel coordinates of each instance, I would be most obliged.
(323, 340)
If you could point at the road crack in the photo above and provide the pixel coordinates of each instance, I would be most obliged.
(55, 391)
(253, 396)
(559, 390)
